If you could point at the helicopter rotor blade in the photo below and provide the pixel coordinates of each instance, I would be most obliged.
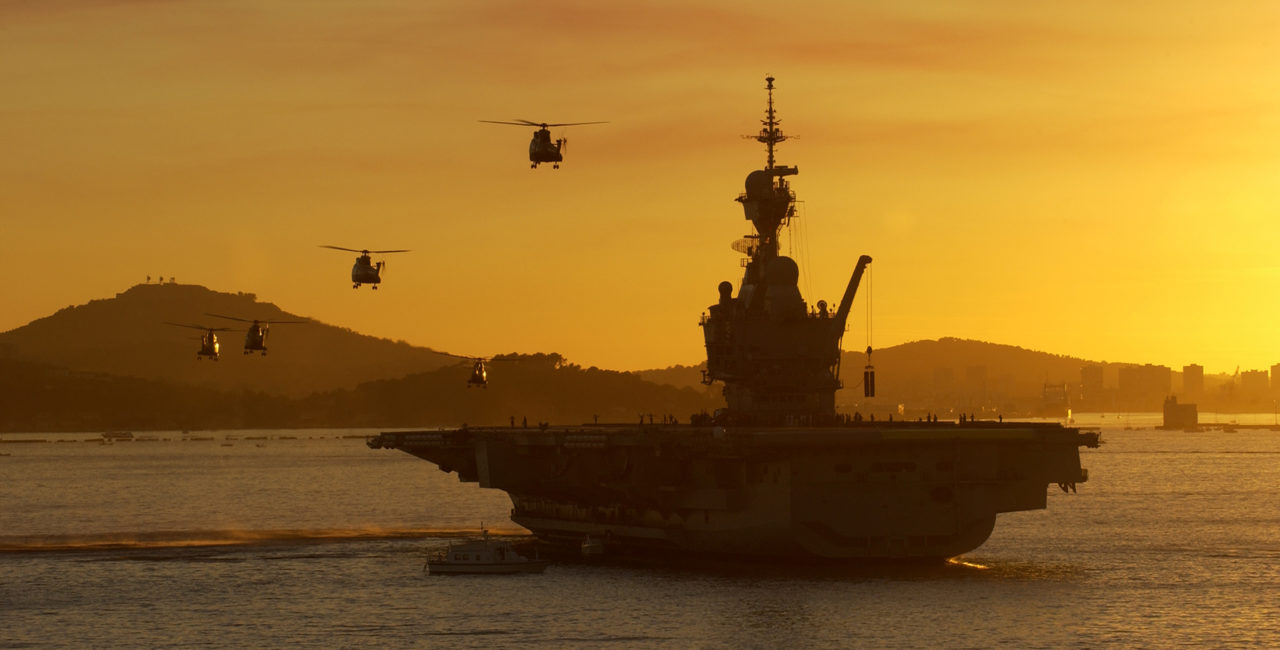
(242, 320)
(463, 356)
(475, 359)
(519, 122)
(200, 327)
(363, 251)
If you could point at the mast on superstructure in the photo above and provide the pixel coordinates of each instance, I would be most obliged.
(770, 135)
(768, 200)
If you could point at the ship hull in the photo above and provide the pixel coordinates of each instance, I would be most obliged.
(900, 491)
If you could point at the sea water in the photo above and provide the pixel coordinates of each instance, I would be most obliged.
(310, 538)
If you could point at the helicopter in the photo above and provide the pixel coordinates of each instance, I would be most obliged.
(208, 341)
(479, 371)
(365, 271)
(256, 338)
(541, 148)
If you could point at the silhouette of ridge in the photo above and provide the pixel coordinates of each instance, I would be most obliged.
(114, 364)
(534, 388)
(127, 336)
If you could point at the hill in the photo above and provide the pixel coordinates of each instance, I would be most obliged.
(949, 373)
(933, 375)
(114, 363)
(39, 397)
(679, 376)
(536, 388)
(533, 388)
(127, 336)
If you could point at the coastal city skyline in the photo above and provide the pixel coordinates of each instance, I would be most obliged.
(1092, 181)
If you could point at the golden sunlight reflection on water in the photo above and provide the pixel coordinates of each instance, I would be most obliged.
(321, 542)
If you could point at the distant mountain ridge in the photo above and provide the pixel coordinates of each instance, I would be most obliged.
(127, 336)
(911, 362)
(531, 389)
(114, 363)
(963, 374)
(948, 375)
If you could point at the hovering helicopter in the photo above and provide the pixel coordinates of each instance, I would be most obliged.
(208, 342)
(365, 271)
(256, 338)
(479, 371)
(541, 148)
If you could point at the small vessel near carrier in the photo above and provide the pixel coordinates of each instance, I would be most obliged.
(779, 473)
(483, 556)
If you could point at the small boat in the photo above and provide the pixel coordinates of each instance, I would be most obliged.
(484, 556)
(592, 547)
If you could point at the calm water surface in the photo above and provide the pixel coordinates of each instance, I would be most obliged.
(309, 538)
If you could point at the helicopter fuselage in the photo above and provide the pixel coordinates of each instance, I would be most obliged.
(479, 377)
(208, 346)
(255, 340)
(366, 272)
(543, 150)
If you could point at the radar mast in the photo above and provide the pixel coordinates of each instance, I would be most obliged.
(768, 201)
(770, 135)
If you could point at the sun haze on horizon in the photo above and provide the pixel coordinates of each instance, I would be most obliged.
(1086, 178)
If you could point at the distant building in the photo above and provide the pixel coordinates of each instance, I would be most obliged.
(1092, 391)
(1091, 379)
(1141, 388)
(1193, 381)
(1053, 401)
(1180, 416)
(1254, 385)
(943, 386)
(975, 386)
(1275, 380)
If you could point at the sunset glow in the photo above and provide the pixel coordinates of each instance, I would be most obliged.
(1082, 178)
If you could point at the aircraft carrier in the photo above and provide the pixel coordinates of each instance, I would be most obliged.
(778, 473)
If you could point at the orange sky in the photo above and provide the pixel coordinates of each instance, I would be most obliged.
(1089, 177)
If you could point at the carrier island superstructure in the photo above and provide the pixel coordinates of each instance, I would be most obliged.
(778, 473)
